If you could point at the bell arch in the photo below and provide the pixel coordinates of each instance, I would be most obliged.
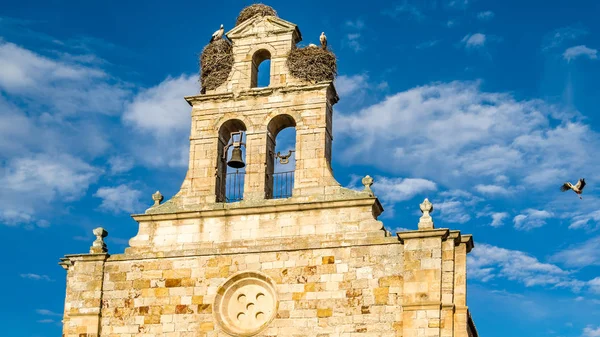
(229, 186)
(280, 184)
(260, 74)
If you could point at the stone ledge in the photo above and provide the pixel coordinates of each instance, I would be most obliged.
(422, 306)
(257, 246)
(257, 207)
(257, 91)
(441, 232)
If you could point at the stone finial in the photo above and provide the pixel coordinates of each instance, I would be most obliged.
(157, 197)
(367, 181)
(426, 222)
(98, 246)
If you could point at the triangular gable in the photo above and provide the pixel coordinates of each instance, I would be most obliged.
(272, 24)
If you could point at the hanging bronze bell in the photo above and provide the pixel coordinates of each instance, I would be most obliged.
(236, 159)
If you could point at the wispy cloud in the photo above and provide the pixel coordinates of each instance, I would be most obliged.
(498, 218)
(560, 36)
(591, 331)
(46, 312)
(348, 84)
(578, 51)
(582, 254)
(405, 9)
(484, 16)
(357, 24)
(393, 190)
(531, 218)
(489, 262)
(492, 190)
(427, 44)
(353, 41)
(474, 40)
(36, 277)
(122, 198)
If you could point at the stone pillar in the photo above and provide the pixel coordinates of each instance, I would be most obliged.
(256, 159)
(422, 292)
(460, 285)
(85, 276)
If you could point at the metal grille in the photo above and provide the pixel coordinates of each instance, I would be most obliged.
(234, 186)
(283, 183)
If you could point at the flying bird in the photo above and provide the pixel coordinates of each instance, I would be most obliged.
(578, 188)
(323, 40)
(217, 35)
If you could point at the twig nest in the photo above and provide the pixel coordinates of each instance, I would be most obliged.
(253, 10)
(312, 63)
(216, 62)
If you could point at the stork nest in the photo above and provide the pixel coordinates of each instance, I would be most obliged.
(216, 62)
(253, 10)
(313, 64)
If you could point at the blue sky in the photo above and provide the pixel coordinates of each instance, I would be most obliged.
(485, 107)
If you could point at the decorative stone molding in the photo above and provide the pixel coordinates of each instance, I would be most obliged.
(98, 246)
(246, 303)
(367, 181)
(157, 197)
(426, 222)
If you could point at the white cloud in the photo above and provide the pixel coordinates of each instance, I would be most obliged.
(31, 183)
(36, 277)
(492, 190)
(451, 23)
(452, 206)
(590, 331)
(346, 85)
(162, 109)
(68, 88)
(120, 164)
(531, 218)
(394, 190)
(474, 40)
(487, 15)
(160, 116)
(491, 138)
(580, 255)
(587, 220)
(594, 285)
(577, 51)
(487, 262)
(118, 199)
(498, 219)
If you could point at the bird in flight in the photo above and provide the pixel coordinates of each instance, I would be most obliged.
(577, 188)
(217, 35)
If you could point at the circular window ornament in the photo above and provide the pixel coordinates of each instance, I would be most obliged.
(246, 303)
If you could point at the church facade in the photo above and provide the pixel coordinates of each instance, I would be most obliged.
(315, 263)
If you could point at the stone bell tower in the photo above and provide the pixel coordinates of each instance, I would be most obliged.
(314, 263)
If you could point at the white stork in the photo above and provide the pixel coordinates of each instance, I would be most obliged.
(312, 45)
(578, 188)
(217, 35)
(323, 40)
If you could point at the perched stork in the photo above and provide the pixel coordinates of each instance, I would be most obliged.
(323, 39)
(578, 188)
(217, 35)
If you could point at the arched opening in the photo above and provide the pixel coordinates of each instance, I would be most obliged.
(281, 157)
(230, 180)
(261, 69)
